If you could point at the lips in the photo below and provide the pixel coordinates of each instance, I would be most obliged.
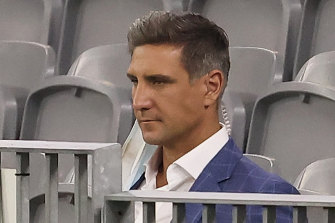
(146, 121)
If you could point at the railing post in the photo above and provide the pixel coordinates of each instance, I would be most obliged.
(81, 191)
(149, 212)
(22, 187)
(178, 211)
(239, 213)
(269, 214)
(299, 214)
(329, 215)
(208, 213)
(51, 194)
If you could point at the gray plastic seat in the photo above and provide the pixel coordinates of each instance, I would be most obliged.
(318, 178)
(253, 72)
(233, 115)
(70, 108)
(319, 70)
(91, 23)
(23, 65)
(269, 24)
(108, 64)
(35, 20)
(22, 20)
(294, 122)
(91, 104)
(316, 32)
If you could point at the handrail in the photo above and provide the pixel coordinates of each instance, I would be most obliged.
(119, 208)
(101, 153)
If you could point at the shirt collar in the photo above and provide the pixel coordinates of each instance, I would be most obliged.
(203, 153)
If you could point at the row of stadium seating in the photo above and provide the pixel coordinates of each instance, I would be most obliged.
(295, 30)
(278, 103)
(93, 104)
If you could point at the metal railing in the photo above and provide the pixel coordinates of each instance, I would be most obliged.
(106, 176)
(120, 207)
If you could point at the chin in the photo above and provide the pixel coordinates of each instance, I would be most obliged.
(151, 139)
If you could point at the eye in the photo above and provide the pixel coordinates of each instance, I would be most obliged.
(157, 82)
(134, 81)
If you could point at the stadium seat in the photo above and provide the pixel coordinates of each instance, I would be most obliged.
(108, 64)
(70, 108)
(90, 104)
(294, 122)
(22, 20)
(318, 178)
(91, 23)
(253, 72)
(23, 65)
(319, 70)
(76, 109)
(316, 32)
(35, 21)
(233, 115)
(269, 24)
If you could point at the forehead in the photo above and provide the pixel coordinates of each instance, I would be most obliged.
(151, 58)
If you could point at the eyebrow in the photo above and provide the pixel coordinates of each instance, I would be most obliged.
(160, 77)
(154, 77)
(131, 76)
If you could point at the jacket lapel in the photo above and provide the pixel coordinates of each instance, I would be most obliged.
(212, 178)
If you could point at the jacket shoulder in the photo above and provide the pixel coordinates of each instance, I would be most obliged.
(254, 179)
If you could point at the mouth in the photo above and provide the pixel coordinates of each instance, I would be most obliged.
(146, 121)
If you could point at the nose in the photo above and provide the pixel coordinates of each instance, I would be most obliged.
(141, 98)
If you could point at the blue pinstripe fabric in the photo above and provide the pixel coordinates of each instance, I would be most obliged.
(230, 171)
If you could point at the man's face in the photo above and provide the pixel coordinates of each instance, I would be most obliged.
(168, 106)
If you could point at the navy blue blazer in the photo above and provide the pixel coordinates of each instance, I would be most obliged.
(230, 171)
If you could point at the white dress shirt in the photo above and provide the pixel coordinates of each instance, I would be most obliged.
(181, 174)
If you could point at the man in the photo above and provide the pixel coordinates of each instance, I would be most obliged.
(179, 69)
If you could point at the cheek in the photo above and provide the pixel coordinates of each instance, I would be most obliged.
(179, 102)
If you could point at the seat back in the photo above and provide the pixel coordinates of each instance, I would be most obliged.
(269, 24)
(22, 20)
(25, 64)
(76, 109)
(317, 178)
(108, 63)
(71, 108)
(295, 120)
(35, 20)
(91, 23)
(319, 69)
(316, 31)
(253, 72)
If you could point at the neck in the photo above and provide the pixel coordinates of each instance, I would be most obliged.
(179, 148)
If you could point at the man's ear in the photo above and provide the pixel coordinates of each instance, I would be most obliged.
(215, 83)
